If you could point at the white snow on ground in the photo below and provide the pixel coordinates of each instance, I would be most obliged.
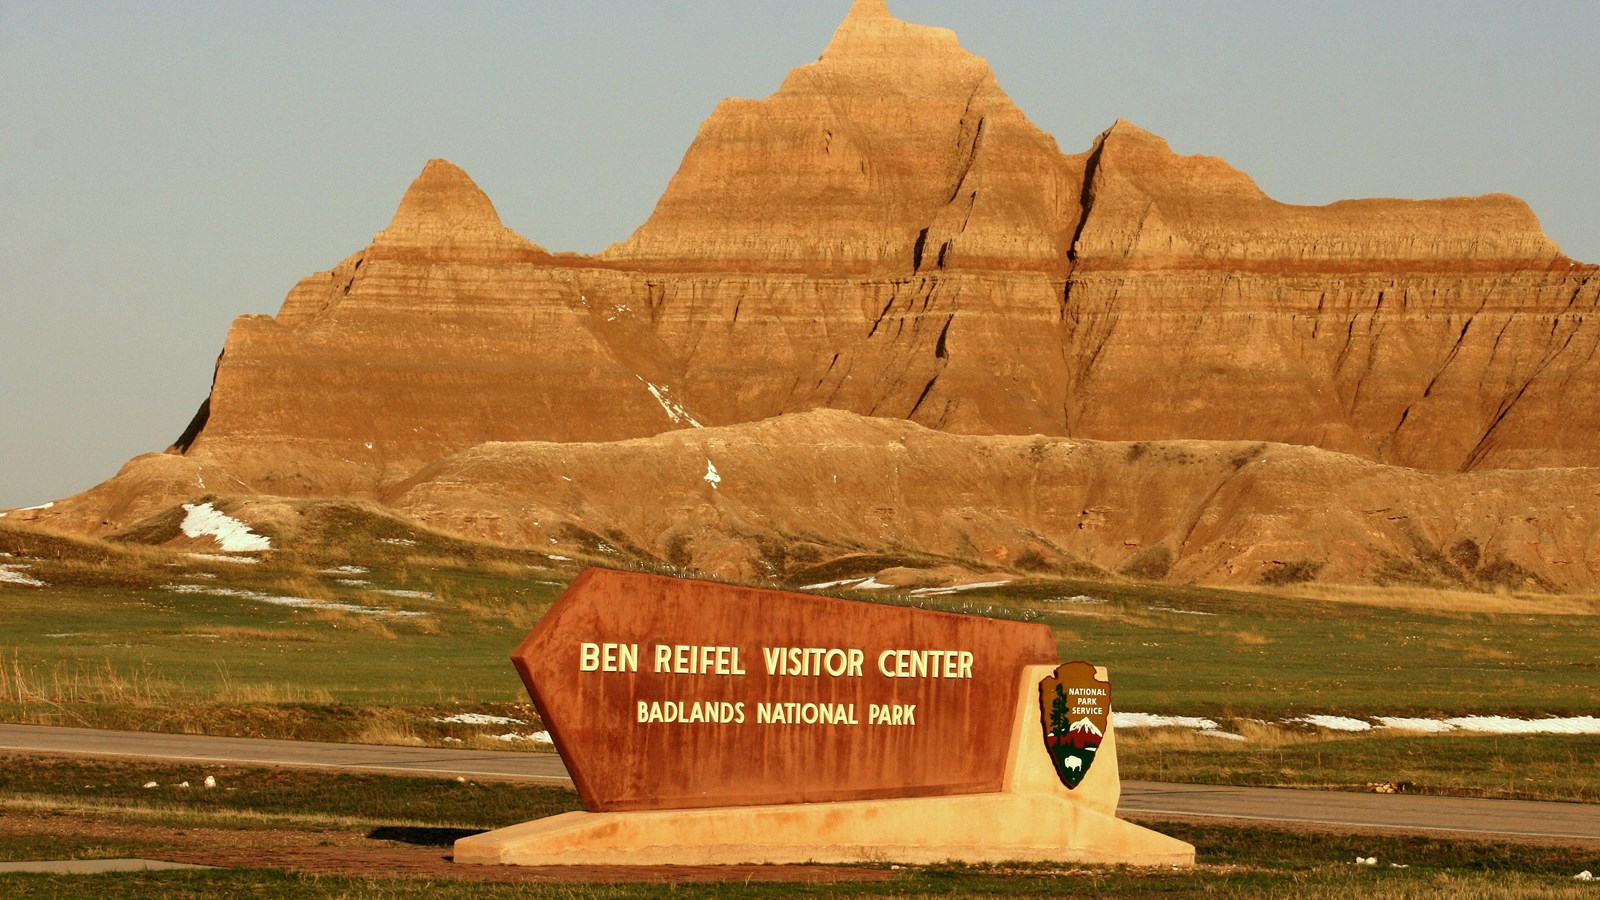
(398, 542)
(354, 582)
(12, 574)
(856, 584)
(558, 558)
(675, 410)
(232, 535)
(1081, 598)
(538, 737)
(1151, 720)
(1505, 725)
(405, 595)
(1180, 612)
(42, 506)
(1429, 726)
(712, 478)
(294, 602)
(234, 560)
(1471, 724)
(829, 584)
(478, 719)
(1334, 723)
(346, 570)
(958, 588)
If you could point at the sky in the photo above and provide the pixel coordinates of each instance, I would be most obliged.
(166, 167)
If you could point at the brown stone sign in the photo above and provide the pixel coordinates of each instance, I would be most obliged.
(663, 693)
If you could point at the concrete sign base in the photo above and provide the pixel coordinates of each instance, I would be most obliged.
(1033, 818)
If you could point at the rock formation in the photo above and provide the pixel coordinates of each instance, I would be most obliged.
(807, 488)
(888, 235)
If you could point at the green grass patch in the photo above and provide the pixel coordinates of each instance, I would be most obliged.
(1512, 767)
(140, 637)
(260, 797)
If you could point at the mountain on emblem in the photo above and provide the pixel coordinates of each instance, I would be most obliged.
(1086, 725)
(1075, 709)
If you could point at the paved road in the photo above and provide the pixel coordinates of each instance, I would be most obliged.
(483, 764)
(1398, 812)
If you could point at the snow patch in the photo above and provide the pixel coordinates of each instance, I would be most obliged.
(1151, 720)
(405, 595)
(232, 535)
(398, 542)
(354, 582)
(674, 409)
(558, 558)
(829, 584)
(541, 738)
(712, 478)
(1579, 725)
(1080, 598)
(478, 719)
(40, 507)
(1179, 612)
(292, 602)
(12, 574)
(346, 570)
(958, 588)
(231, 560)
(1505, 725)
(1427, 726)
(858, 584)
(1334, 723)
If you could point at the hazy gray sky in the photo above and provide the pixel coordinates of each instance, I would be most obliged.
(165, 167)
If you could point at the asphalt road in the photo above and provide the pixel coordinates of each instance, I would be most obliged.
(1398, 812)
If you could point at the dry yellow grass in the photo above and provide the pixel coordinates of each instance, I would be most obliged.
(270, 694)
(1439, 600)
(390, 732)
(79, 681)
(362, 624)
(248, 635)
(1258, 736)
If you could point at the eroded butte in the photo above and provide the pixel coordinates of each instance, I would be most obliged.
(915, 323)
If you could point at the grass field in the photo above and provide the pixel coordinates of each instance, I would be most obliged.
(393, 832)
(377, 630)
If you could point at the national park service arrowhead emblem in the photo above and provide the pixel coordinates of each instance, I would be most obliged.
(1075, 707)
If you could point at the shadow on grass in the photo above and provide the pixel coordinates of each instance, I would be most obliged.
(422, 837)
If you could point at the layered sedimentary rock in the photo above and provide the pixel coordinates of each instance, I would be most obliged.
(888, 235)
(769, 497)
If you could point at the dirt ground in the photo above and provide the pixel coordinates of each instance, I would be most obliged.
(347, 853)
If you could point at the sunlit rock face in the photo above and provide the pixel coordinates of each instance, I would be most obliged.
(888, 236)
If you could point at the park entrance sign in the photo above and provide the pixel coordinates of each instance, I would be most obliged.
(669, 694)
(707, 723)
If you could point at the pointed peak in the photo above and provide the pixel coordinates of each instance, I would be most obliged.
(443, 208)
(1124, 129)
(869, 9)
(446, 194)
(872, 29)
